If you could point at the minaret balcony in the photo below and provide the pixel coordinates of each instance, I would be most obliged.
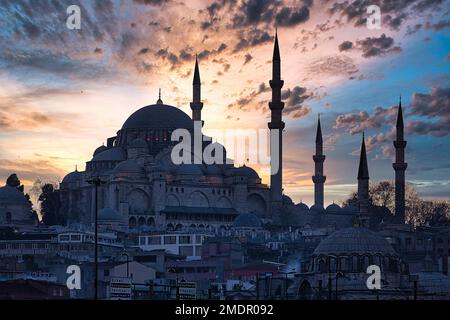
(276, 125)
(400, 166)
(276, 84)
(319, 179)
(399, 144)
(318, 158)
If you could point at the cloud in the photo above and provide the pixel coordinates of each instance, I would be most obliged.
(356, 122)
(294, 102)
(332, 65)
(252, 38)
(346, 45)
(248, 57)
(373, 46)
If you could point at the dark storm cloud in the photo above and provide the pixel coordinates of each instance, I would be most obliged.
(294, 102)
(346, 45)
(434, 107)
(289, 16)
(373, 46)
(252, 38)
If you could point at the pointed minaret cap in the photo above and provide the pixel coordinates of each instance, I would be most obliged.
(319, 131)
(363, 171)
(276, 48)
(159, 98)
(196, 72)
(400, 114)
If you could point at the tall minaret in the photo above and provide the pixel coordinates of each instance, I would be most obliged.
(400, 167)
(196, 104)
(363, 186)
(276, 126)
(318, 178)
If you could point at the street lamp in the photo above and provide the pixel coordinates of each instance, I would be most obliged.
(96, 182)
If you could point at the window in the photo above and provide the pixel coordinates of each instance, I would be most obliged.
(75, 237)
(198, 250)
(198, 239)
(154, 240)
(141, 241)
(185, 240)
(170, 240)
(187, 251)
(64, 238)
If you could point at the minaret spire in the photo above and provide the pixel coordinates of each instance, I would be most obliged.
(400, 167)
(196, 104)
(318, 178)
(159, 97)
(276, 126)
(363, 186)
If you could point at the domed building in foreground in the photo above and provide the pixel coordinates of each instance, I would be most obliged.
(15, 209)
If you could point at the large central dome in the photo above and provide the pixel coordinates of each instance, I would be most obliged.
(158, 116)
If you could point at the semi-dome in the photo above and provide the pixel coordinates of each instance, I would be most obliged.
(188, 169)
(108, 214)
(72, 177)
(247, 220)
(333, 208)
(213, 170)
(354, 241)
(302, 206)
(158, 116)
(245, 171)
(10, 195)
(129, 166)
(112, 154)
(138, 143)
(100, 150)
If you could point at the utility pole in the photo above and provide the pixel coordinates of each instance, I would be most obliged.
(96, 181)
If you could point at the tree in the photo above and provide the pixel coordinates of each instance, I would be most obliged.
(13, 181)
(418, 211)
(50, 206)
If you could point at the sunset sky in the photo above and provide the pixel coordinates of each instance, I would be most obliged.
(63, 92)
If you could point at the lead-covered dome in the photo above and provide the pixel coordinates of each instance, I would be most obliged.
(354, 241)
(247, 220)
(158, 116)
(10, 195)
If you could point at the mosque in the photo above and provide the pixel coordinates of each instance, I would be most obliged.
(144, 188)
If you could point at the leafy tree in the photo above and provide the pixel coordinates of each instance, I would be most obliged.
(50, 206)
(13, 181)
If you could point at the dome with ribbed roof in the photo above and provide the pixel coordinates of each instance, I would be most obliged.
(138, 143)
(72, 177)
(302, 206)
(354, 241)
(129, 166)
(247, 220)
(245, 171)
(100, 150)
(188, 169)
(110, 215)
(112, 154)
(158, 116)
(333, 208)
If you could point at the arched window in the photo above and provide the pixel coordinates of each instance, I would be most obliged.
(322, 267)
(132, 222)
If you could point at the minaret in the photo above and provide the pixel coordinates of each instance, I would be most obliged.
(159, 101)
(318, 178)
(400, 167)
(276, 126)
(196, 104)
(363, 186)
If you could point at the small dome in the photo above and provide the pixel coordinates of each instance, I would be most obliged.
(138, 143)
(158, 116)
(333, 208)
(302, 206)
(72, 177)
(10, 195)
(129, 166)
(247, 220)
(100, 150)
(354, 240)
(112, 154)
(316, 207)
(108, 214)
(245, 171)
(188, 169)
(287, 200)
